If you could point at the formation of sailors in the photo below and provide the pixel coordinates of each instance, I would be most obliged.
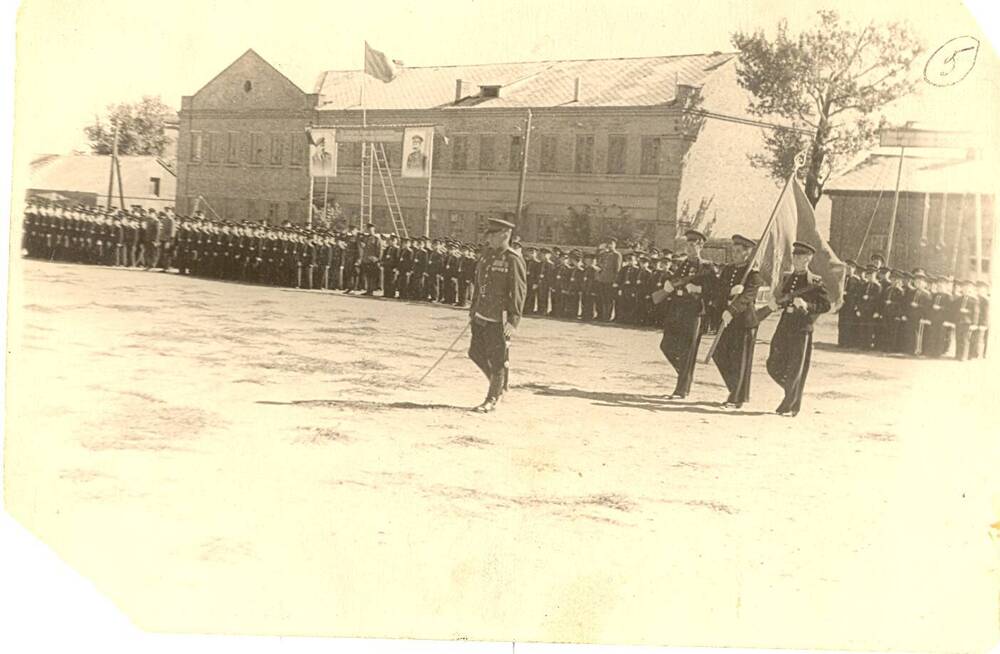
(913, 313)
(607, 285)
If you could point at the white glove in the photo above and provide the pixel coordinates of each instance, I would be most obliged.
(726, 317)
(736, 290)
(799, 303)
(772, 303)
(693, 288)
(668, 287)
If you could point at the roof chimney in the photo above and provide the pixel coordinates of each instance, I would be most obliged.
(576, 90)
(458, 90)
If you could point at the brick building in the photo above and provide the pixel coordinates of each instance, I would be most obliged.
(936, 221)
(613, 143)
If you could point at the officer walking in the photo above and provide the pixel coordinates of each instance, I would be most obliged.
(497, 305)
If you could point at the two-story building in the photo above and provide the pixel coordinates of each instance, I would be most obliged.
(617, 146)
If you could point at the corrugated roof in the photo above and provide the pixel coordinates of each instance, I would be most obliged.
(877, 172)
(646, 81)
(89, 173)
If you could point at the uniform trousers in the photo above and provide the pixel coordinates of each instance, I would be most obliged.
(488, 350)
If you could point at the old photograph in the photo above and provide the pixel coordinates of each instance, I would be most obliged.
(617, 323)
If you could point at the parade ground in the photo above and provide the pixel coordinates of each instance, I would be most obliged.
(229, 458)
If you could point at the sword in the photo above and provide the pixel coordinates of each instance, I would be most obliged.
(445, 353)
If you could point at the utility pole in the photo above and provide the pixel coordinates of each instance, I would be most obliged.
(524, 169)
(111, 173)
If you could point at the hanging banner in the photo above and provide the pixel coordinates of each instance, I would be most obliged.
(323, 153)
(418, 144)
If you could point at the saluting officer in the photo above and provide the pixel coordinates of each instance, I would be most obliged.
(736, 291)
(682, 322)
(497, 304)
(802, 297)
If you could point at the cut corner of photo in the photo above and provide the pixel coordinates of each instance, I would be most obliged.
(500, 327)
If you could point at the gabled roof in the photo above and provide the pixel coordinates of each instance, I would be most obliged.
(89, 173)
(877, 172)
(252, 57)
(645, 81)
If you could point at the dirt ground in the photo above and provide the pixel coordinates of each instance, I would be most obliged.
(228, 458)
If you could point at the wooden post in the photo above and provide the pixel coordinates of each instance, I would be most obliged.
(979, 235)
(430, 176)
(326, 198)
(118, 171)
(309, 216)
(895, 206)
(524, 169)
(958, 238)
(111, 172)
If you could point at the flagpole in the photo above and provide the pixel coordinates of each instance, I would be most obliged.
(430, 176)
(800, 160)
(312, 181)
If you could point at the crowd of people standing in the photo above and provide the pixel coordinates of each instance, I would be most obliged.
(913, 313)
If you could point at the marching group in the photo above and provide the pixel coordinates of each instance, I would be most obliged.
(913, 313)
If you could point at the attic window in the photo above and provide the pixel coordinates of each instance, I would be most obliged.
(491, 91)
(247, 86)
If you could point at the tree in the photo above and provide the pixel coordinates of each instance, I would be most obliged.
(826, 85)
(589, 224)
(141, 127)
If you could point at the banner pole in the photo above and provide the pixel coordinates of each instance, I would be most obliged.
(309, 218)
(430, 176)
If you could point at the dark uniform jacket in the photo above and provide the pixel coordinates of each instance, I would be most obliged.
(501, 286)
(741, 306)
(817, 301)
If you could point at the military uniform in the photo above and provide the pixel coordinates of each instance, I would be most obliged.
(501, 285)
(736, 292)
(791, 346)
(682, 324)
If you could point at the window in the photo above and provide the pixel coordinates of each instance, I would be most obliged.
(482, 220)
(273, 209)
(616, 154)
(650, 155)
(514, 162)
(277, 149)
(985, 262)
(232, 147)
(585, 154)
(487, 151)
(196, 144)
(455, 224)
(545, 228)
(257, 148)
(298, 145)
(295, 212)
(348, 155)
(155, 184)
(459, 153)
(548, 154)
(877, 243)
(251, 213)
(210, 148)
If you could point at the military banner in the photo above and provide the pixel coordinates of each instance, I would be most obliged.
(323, 153)
(418, 145)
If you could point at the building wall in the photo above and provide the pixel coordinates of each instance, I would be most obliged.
(462, 197)
(950, 221)
(242, 145)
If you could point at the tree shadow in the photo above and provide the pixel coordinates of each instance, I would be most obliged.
(646, 402)
(366, 405)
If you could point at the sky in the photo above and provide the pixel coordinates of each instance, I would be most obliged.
(74, 57)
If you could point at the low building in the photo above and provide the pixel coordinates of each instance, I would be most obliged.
(83, 179)
(618, 146)
(944, 219)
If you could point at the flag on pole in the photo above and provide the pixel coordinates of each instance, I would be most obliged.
(794, 220)
(378, 65)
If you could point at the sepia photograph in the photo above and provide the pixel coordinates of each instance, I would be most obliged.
(503, 324)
